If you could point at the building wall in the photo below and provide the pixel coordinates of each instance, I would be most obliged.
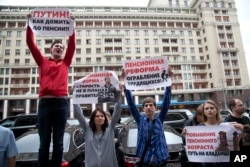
(202, 42)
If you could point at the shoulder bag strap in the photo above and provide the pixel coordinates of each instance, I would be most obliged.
(147, 144)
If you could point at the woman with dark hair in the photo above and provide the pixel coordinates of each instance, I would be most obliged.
(99, 136)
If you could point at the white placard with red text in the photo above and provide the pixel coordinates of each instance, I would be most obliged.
(93, 89)
(148, 73)
(211, 143)
(51, 22)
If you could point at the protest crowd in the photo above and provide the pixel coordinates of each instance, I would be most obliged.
(208, 140)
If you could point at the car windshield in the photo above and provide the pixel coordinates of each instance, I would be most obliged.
(30, 143)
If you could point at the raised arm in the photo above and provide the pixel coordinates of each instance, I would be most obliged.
(70, 49)
(30, 40)
(165, 103)
(71, 46)
(166, 98)
(79, 115)
(117, 109)
(132, 107)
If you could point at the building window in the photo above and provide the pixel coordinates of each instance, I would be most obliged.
(17, 61)
(127, 32)
(170, 3)
(8, 43)
(127, 41)
(136, 32)
(146, 41)
(117, 32)
(17, 52)
(78, 51)
(78, 60)
(98, 32)
(27, 52)
(27, 61)
(107, 32)
(128, 50)
(183, 50)
(190, 33)
(88, 33)
(78, 33)
(9, 33)
(156, 42)
(98, 50)
(18, 42)
(155, 32)
(137, 41)
(78, 41)
(98, 41)
(146, 32)
(88, 41)
(19, 33)
(98, 59)
(137, 50)
(39, 42)
(192, 50)
(88, 59)
(185, 3)
(88, 51)
(156, 50)
(6, 61)
(147, 50)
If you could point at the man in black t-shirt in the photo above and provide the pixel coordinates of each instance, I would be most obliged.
(237, 108)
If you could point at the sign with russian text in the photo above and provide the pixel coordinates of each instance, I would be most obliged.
(211, 143)
(51, 22)
(148, 73)
(99, 87)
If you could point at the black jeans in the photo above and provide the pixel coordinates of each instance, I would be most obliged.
(52, 117)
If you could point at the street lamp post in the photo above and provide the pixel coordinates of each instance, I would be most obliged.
(224, 98)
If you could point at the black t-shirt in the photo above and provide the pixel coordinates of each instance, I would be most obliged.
(245, 140)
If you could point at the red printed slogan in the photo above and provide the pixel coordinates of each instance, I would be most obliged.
(148, 73)
(51, 22)
(211, 143)
(99, 87)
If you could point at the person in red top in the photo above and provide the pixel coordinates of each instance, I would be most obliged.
(53, 104)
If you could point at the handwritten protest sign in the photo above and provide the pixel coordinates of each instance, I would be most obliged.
(97, 87)
(211, 143)
(51, 22)
(148, 73)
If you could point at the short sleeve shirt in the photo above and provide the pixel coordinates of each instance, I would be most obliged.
(8, 146)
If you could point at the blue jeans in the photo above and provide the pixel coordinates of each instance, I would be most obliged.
(52, 117)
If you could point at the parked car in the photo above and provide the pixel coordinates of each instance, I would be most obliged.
(73, 144)
(128, 140)
(176, 118)
(20, 123)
